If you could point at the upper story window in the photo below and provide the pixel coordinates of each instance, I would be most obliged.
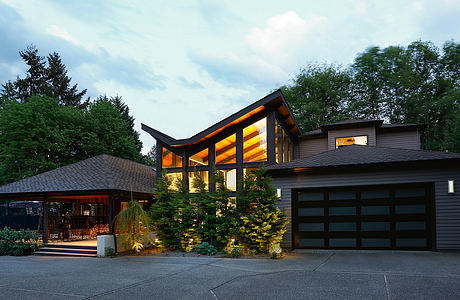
(351, 140)
(199, 159)
(170, 159)
(255, 142)
(226, 150)
(283, 145)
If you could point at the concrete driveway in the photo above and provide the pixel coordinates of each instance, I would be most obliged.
(306, 275)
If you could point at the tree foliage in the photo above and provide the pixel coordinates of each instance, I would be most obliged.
(133, 225)
(261, 223)
(44, 77)
(40, 135)
(419, 83)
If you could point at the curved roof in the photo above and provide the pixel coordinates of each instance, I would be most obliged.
(102, 172)
(274, 100)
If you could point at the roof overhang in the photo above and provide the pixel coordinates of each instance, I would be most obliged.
(275, 100)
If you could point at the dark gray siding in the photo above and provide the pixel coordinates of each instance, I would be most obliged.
(403, 140)
(309, 147)
(369, 131)
(447, 206)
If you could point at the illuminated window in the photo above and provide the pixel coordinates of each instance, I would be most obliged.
(199, 159)
(170, 159)
(229, 178)
(192, 178)
(174, 178)
(351, 140)
(226, 150)
(255, 142)
(283, 145)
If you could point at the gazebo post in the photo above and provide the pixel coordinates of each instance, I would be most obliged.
(111, 213)
(45, 220)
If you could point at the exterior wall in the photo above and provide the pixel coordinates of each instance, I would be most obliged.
(335, 133)
(309, 147)
(403, 140)
(447, 206)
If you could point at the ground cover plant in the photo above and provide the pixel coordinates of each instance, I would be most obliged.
(18, 242)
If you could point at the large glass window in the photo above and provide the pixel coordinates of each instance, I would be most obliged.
(199, 159)
(283, 145)
(351, 140)
(170, 159)
(255, 142)
(192, 178)
(174, 178)
(229, 179)
(226, 150)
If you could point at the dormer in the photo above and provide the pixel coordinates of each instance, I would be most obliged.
(359, 132)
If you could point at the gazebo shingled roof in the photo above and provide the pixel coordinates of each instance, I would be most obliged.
(99, 173)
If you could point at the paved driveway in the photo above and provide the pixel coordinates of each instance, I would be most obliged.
(307, 275)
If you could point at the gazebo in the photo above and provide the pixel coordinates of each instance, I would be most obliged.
(77, 201)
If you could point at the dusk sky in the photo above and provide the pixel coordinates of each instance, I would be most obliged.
(181, 66)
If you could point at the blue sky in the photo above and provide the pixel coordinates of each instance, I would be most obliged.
(181, 66)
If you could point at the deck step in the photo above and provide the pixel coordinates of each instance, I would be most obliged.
(64, 254)
(69, 246)
(67, 250)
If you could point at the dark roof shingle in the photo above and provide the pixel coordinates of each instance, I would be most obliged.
(363, 155)
(102, 172)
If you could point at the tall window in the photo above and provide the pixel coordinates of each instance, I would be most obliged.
(351, 140)
(191, 180)
(255, 142)
(229, 179)
(283, 145)
(199, 159)
(226, 150)
(174, 178)
(170, 159)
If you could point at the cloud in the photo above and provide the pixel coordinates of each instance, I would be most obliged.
(284, 35)
(192, 84)
(268, 55)
(63, 34)
(235, 70)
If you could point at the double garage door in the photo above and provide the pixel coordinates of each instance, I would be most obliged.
(367, 217)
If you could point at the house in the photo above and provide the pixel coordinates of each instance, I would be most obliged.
(356, 184)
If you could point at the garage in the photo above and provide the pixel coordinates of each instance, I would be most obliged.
(397, 216)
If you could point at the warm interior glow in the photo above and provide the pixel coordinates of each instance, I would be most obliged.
(283, 145)
(242, 118)
(191, 180)
(229, 179)
(199, 159)
(255, 142)
(351, 140)
(226, 150)
(170, 159)
(174, 178)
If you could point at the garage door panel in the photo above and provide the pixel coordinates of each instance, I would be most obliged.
(378, 217)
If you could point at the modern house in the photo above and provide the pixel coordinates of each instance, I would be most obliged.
(357, 184)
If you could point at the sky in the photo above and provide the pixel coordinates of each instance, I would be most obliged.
(182, 66)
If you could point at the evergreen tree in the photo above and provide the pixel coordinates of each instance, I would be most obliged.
(226, 224)
(261, 224)
(163, 214)
(205, 210)
(44, 78)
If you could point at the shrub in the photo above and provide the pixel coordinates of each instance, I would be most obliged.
(133, 225)
(190, 239)
(18, 242)
(205, 249)
(234, 251)
(109, 251)
(262, 224)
